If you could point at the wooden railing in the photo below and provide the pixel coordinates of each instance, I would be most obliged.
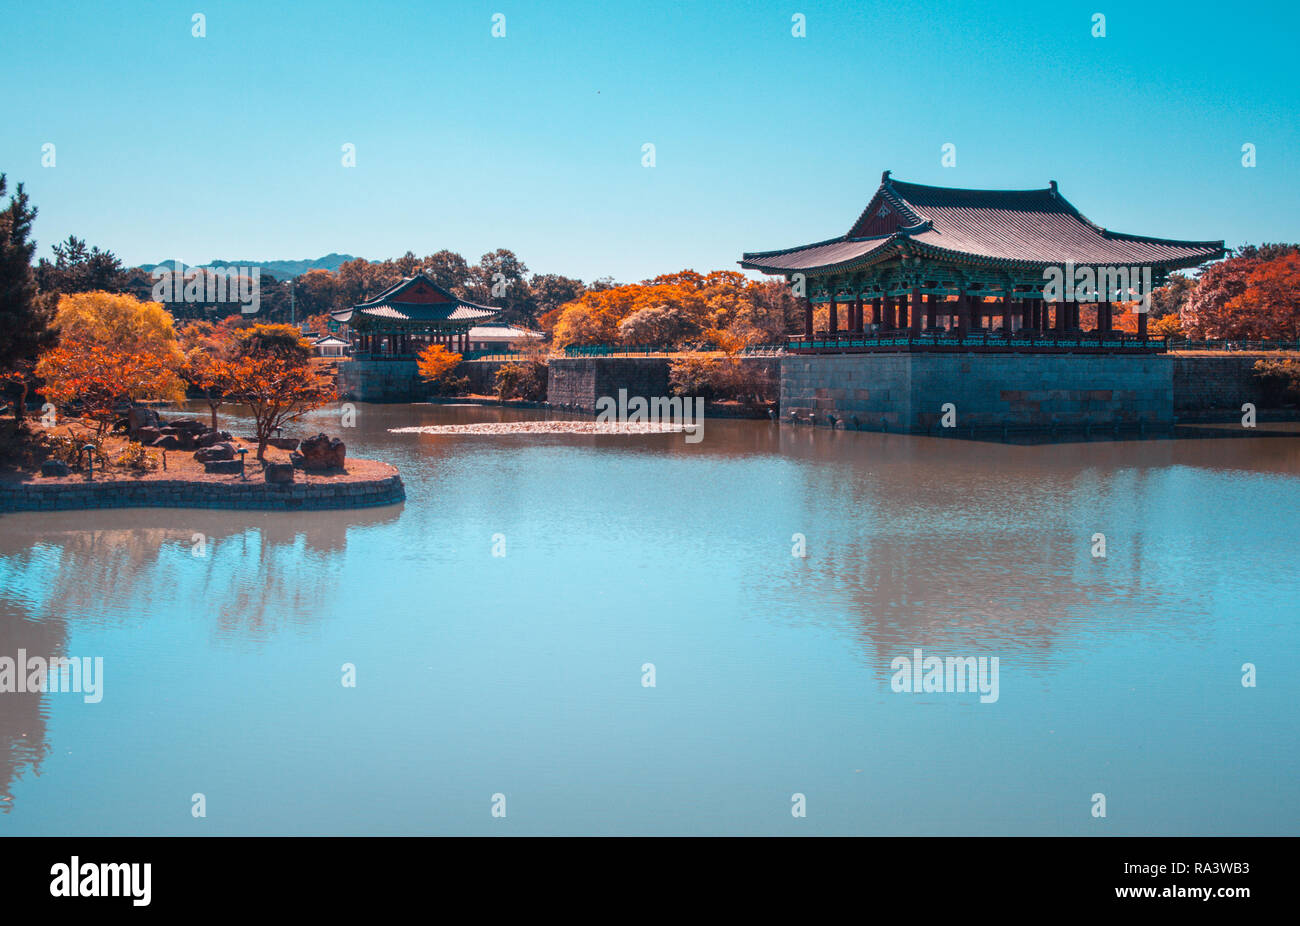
(1042, 341)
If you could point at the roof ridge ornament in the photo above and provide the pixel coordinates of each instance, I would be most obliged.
(884, 178)
(1052, 185)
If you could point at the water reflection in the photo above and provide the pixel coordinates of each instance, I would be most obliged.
(24, 715)
(627, 548)
(252, 574)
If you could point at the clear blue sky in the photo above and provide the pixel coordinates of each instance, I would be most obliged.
(170, 146)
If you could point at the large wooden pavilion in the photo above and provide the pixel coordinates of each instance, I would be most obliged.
(928, 267)
(408, 316)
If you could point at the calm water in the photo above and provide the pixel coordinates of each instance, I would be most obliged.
(522, 674)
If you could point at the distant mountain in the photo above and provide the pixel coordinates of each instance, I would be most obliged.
(280, 269)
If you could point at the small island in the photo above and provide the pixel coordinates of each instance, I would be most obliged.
(102, 364)
(182, 463)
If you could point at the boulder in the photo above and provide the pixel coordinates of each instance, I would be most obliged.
(215, 452)
(207, 438)
(295, 460)
(322, 452)
(187, 424)
(141, 416)
(278, 472)
(284, 443)
(167, 442)
(147, 435)
(54, 468)
(224, 467)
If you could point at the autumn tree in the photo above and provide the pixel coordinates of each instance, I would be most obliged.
(101, 377)
(1270, 303)
(210, 374)
(436, 364)
(276, 389)
(1219, 306)
(119, 322)
(682, 309)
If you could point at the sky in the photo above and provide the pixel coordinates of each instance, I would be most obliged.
(230, 146)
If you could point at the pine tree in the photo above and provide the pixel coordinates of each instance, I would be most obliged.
(24, 316)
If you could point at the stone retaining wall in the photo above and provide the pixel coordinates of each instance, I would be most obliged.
(381, 381)
(907, 391)
(1204, 384)
(577, 382)
(62, 496)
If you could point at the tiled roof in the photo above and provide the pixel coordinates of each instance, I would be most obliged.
(1018, 227)
(450, 308)
(418, 311)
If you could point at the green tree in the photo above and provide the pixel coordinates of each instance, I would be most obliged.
(284, 341)
(78, 269)
(25, 317)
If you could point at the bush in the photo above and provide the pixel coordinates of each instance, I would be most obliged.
(135, 457)
(68, 449)
(1279, 381)
(523, 380)
(720, 379)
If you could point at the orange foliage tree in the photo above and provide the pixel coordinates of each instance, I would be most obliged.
(1270, 304)
(276, 389)
(435, 363)
(211, 375)
(102, 378)
(1251, 295)
(721, 309)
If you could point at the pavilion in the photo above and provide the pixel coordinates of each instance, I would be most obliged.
(408, 316)
(927, 267)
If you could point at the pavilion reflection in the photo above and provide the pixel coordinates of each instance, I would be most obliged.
(922, 546)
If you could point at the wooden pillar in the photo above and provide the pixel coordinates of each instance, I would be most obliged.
(1026, 315)
(916, 313)
(931, 311)
(833, 315)
(963, 313)
(856, 324)
(1062, 313)
(875, 311)
(1104, 324)
(807, 318)
(1142, 325)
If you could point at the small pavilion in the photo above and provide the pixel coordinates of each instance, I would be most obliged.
(407, 317)
(927, 267)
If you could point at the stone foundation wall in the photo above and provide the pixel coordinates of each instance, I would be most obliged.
(381, 381)
(482, 375)
(906, 392)
(579, 381)
(1203, 384)
(37, 496)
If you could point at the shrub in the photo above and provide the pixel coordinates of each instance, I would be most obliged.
(135, 457)
(720, 378)
(1279, 380)
(523, 380)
